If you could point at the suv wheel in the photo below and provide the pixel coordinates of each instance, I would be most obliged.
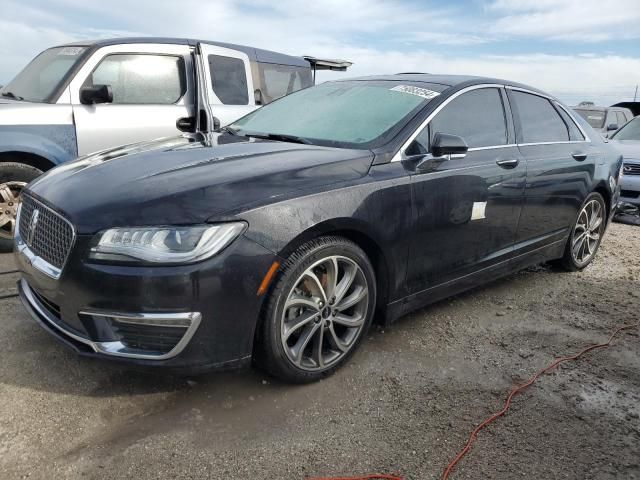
(13, 178)
(318, 311)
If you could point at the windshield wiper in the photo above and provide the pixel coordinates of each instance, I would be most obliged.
(11, 95)
(281, 137)
(229, 130)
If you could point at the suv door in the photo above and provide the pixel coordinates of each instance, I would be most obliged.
(152, 92)
(560, 167)
(466, 210)
(229, 85)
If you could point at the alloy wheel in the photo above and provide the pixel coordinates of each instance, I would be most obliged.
(324, 313)
(587, 232)
(9, 202)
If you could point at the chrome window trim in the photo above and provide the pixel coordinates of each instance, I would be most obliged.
(399, 155)
(115, 349)
(34, 260)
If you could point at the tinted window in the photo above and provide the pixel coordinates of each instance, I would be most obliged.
(229, 79)
(476, 116)
(631, 131)
(595, 118)
(141, 79)
(621, 119)
(538, 119)
(574, 131)
(280, 80)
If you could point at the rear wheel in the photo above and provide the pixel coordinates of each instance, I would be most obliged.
(318, 311)
(586, 235)
(13, 178)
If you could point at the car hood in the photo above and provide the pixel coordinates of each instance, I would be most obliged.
(190, 179)
(630, 149)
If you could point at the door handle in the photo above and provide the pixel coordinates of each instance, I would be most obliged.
(512, 163)
(579, 156)
(186, 124)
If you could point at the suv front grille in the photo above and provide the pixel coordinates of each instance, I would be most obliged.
(631, 169)
(47, 234)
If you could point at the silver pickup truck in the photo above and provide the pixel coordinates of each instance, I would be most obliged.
(79, 98)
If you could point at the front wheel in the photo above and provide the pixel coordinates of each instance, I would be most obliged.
(586, 234)
(318, 311)
(13, 178)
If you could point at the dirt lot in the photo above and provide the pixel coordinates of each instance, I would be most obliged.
(404, 404)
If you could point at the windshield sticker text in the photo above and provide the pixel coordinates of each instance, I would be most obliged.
(420, 92)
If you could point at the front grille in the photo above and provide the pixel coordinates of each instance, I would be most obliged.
(47, 234)
(629, 194)
(631, 168)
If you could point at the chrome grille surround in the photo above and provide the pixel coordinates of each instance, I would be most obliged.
(43, 236)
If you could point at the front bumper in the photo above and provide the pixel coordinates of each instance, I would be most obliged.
(214, 302)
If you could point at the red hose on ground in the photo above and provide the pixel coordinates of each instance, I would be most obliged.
(518, 388)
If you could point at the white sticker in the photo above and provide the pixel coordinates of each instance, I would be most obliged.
(420, 92)
(72, 51)
(478, 210)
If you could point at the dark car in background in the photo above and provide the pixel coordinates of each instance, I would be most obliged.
(282, 236)
(605, 120)
(627, 141)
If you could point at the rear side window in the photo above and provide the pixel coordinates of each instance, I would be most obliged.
(574, 132)
(477, 116)
(621, 119)
(141, 78)
(539, 121)
(229, 79)
(280, 80)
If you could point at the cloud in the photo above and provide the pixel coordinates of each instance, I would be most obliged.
(572, 20)
(379, 36)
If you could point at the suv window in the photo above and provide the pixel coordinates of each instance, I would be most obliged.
(621, 119)
(229, 79)
(141, 78)
(539, 121)
(280, 80)
(477, 116)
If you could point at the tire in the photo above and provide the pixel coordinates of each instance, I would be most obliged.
(297, 299)
(13, 177)
(593, 228)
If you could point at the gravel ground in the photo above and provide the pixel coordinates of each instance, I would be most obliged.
(404, 404)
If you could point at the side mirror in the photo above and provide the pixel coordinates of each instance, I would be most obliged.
(90, 95)
(257, 96)
(444, 144)
(612, 126)
(216, 123)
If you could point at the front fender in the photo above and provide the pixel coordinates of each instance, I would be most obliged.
(56, 143)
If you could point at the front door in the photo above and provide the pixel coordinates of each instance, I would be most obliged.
(152, 95)
(229, 84)
(466, 210)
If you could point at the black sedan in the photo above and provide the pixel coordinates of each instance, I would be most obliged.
(280, 238)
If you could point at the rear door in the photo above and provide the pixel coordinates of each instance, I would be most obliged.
(560, 169)
(152, 92)
(466, 210)
(229, 85)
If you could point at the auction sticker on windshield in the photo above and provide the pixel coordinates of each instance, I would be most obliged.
(420, 92)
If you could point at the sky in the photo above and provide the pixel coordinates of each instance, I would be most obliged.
(575, 49)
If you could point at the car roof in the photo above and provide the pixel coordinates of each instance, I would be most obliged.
(458, 81)
(255, 54)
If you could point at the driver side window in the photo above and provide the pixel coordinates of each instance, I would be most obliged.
(477, 116)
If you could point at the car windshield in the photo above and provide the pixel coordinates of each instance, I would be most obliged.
(595, 118)
(40, 78)
(347, 114)
(631, 131)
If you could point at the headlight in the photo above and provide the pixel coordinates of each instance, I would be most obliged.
(165, 244)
